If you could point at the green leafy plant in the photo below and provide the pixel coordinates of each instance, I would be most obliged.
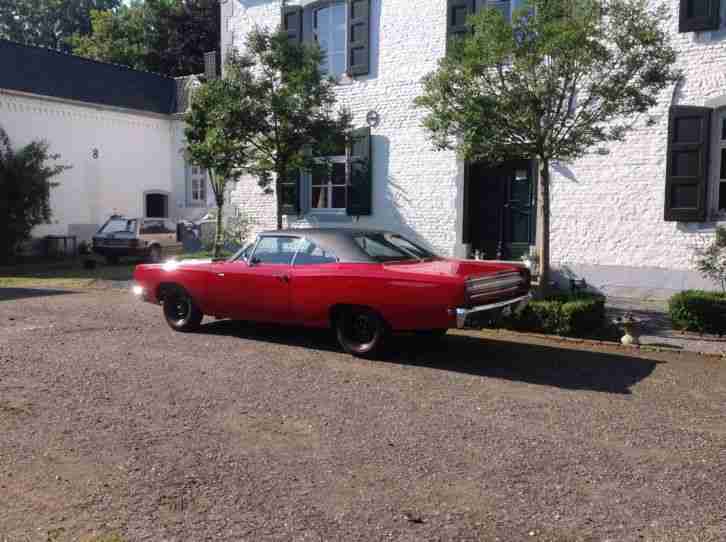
(569, 315)
(711, 261)
(563, 76)
(25, 183)
(698, 310)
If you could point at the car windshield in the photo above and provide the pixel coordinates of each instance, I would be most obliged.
(388, 247)
(119, 225)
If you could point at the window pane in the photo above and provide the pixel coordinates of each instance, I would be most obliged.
(697, 8)
(338, 197)
(320, 198)
(337, 64)
(277, 250)
(723, 129)
(722, 196)
(312, 254)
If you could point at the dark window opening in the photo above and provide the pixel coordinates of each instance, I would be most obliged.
(157, 206)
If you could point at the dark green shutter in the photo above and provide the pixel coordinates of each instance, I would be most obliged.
(695, 15)
(689, 131)
(456, 13)
(359, 14)
(290, 195)
(360, 189)
(292, 18)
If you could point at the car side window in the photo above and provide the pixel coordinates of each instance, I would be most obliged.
(312, 254)
(152, 226)
(275, 250)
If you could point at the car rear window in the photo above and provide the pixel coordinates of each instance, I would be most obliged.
(119, 225)
(387, 247)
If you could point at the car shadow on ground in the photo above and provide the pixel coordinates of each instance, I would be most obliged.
(10, 294)
(567, 368)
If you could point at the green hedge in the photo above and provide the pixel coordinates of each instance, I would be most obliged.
(572, 315)
(697, 310)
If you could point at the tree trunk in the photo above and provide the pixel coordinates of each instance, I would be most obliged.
(219, 231)
(280, 175)
(543, 226)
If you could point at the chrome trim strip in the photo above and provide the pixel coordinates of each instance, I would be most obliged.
(462, 314)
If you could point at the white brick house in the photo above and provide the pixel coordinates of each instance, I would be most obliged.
(608, 210)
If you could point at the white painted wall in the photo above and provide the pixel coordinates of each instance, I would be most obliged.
(137, 152)
(607, 209)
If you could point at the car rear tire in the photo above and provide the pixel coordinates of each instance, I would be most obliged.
(361, 332)
(155, 254)
(180, 310)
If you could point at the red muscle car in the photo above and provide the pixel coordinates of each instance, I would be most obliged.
(362, 283)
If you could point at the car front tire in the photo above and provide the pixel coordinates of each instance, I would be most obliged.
(180, 311)
(361, 332)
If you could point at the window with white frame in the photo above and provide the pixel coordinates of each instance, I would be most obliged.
(197, 185)
(328, 186)
(330, 30)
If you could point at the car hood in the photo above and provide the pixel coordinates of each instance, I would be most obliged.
(451, 267)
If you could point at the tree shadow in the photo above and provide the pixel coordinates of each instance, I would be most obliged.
(12, 294)
(486, 357)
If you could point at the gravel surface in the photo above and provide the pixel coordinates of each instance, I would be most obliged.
(112, 423)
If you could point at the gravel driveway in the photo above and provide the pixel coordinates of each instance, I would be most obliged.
(112, 423)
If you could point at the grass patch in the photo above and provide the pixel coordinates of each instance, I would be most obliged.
(65, 274)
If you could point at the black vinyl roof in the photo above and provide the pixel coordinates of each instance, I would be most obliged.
(51, 73)
(339, 240)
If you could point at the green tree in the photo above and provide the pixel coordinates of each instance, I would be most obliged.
(163, 36)
(214, 131)
(48, 23)
(25, 183)
(289, 103)
(563, 76)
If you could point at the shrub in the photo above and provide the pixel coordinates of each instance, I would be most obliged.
(698, 310)
(573, 315)
(25, 183)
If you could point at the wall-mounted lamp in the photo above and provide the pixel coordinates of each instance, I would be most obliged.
(373, 118)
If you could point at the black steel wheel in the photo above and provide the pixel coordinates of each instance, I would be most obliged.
(361, 331)
(180, 311)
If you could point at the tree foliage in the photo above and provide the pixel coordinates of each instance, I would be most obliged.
(291, 120)
(563, 76)
(215, 132)
(711, 260)
(25, 183)
(48, 23)
(163, 36)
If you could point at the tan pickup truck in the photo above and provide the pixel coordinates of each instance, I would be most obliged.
(148, 238)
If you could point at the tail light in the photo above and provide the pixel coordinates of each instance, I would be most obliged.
(496, 286)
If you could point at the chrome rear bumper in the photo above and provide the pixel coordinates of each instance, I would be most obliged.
(516, 305)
